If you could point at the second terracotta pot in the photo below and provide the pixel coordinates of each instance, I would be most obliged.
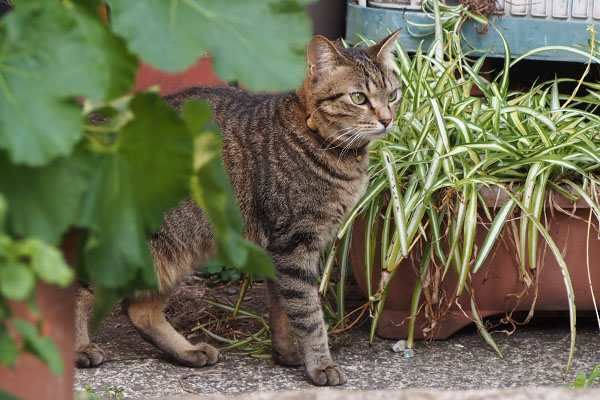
(497, 285)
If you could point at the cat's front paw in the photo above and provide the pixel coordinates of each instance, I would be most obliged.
(89, 355)
(326, 374)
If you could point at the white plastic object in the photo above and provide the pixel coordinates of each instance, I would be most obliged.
(569, 10)
(580, 8)
(560, 9)
(519, 7)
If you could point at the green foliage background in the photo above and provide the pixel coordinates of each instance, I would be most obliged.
(111, 183)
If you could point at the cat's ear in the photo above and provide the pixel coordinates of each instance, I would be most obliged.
(323, 57)
(384, 50)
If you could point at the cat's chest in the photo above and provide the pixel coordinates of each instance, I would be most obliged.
(331, 204)
(298, 195)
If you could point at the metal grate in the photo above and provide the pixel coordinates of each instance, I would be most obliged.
(568, 10)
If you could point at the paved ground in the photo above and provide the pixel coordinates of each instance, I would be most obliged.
(535, 356)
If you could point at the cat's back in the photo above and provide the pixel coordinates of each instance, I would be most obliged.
(232, 107)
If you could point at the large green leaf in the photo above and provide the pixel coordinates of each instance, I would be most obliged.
(51, 52)
(258, 42)
(104, 301)
(146, 173)
(43, 201)
(212, 191)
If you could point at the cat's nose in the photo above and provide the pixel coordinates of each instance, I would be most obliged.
(385, 122)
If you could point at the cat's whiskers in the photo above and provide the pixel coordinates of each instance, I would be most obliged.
(348, 142)
(350, 131)
(339, 130)
(350, 135)
(355, 138)
(359, 135)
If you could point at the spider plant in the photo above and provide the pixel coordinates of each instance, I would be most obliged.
(427, 177)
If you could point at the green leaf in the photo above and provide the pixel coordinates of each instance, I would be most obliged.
(134, 184)
(493, 233)
(196, 114)
(396, 197)
(90, 4)
(47, 262)
(3, 210)
(7, 396)
(593, 375)
(212, 267)
(259, 262)
(84, 57)
(43, 201)
(580, 381)
(8, 347)
(258, 42)
(51, 52)
(104, 301)
(40, 346)
(5, 311)
(469, 231)
(482, 330)
(230, 274)
(16, 280)
(212, 191)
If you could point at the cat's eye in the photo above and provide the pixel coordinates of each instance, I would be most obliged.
(392, 96)
(358, 98)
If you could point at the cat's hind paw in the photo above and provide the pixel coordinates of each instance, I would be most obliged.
(202, 355)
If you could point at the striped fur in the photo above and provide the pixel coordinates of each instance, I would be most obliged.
(294, 185)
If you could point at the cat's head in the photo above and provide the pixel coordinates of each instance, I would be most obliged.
(351, 94)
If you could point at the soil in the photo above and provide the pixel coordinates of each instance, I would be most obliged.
(483, 7)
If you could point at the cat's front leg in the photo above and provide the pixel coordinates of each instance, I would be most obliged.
(296, 284)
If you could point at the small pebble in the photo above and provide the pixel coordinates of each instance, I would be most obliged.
(399, 346)
(409, 353)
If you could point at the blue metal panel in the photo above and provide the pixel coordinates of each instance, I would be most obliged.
(522, 34)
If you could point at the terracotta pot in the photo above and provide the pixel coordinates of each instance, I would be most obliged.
(497, 280)
(199, 74)
(31, 379)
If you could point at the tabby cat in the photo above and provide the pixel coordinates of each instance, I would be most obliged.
(297, 163)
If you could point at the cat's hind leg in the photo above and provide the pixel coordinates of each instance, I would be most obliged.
(146, 313)
(283, 349)
(172, 263)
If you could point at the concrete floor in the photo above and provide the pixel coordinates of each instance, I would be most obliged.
(534, 356)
